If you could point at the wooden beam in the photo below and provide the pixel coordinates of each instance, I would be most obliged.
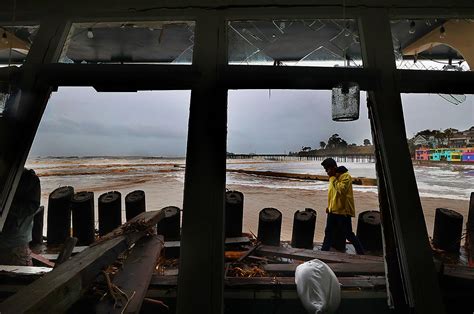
(395, 292)
(21, 119)
(418, 271)
(134, 276)
(325, 256)
(368, 282)
(340, 269)
(202, 237)
(470, 232)
(120, 77)
(459, 35)
(266, 77)
(58, 290)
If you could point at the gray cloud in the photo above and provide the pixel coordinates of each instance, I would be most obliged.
(80, 121)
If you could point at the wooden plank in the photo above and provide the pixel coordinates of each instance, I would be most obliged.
(42, 260)
(59, 289)
(304, 176)
(54, 256)
(134, 277)
(363, 282)
(66, 252)
(142, 222)
(325, 256)
(236, 240)
(24, 270)
(340, 269)
(249, 252)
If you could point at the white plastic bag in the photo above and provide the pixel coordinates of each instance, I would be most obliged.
(317, 286)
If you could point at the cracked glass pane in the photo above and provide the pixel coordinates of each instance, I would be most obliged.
(294, 42)
(15, 43)
(433, 44)
(151, 42)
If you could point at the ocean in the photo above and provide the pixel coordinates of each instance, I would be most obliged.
(451, 181)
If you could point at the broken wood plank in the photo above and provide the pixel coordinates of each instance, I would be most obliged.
(42, 260)
(340, 269)
(363, 282)
(249, 252)
(325, 256)
(142, 222)
(59, 289)
(24, 270)
(134, 277)
(54, 256)
(66, 252)
(236, 240)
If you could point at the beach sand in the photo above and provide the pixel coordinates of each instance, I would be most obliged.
(167, 191)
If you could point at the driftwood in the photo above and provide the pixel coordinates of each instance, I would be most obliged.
(60, 288)
(133, 278)
(325, 256)
(304, 176)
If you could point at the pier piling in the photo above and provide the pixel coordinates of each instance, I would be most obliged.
(169, 226)
(304, 223)
(234, 211)
(59, 215)
(134, 204)
(369, 230)
(110, 212)
(269, 226)
(82, 208)
(447, 230)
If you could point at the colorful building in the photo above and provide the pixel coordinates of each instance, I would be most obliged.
(465, 154)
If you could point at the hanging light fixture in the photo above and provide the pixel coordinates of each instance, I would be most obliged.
(345, 101)
(90, 34)
(442, 32)
(412, 27)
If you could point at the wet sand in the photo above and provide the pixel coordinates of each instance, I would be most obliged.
(167, 191)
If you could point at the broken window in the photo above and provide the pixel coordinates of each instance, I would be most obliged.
(298, 42)
(15, 43)
(168, 42)
(434, 44)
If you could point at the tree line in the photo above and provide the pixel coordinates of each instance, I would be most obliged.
(333, 142)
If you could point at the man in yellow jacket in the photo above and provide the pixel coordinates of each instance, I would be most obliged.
(341, 207)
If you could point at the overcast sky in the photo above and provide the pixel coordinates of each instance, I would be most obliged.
(82, 122)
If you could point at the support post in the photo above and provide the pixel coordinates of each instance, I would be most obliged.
(418, 274)
(22, 116)
(201, 270)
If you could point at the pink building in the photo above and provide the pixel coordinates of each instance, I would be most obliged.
(422, 154)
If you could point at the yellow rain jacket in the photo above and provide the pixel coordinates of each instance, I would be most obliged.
(340, 195)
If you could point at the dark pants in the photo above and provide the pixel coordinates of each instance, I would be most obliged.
(343, 223)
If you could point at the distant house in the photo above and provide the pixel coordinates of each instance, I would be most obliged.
(420, 140)
(463, 138)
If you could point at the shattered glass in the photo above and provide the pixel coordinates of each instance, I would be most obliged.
(424, 44)
(149, 42)
(15, 43)
(316, 42)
